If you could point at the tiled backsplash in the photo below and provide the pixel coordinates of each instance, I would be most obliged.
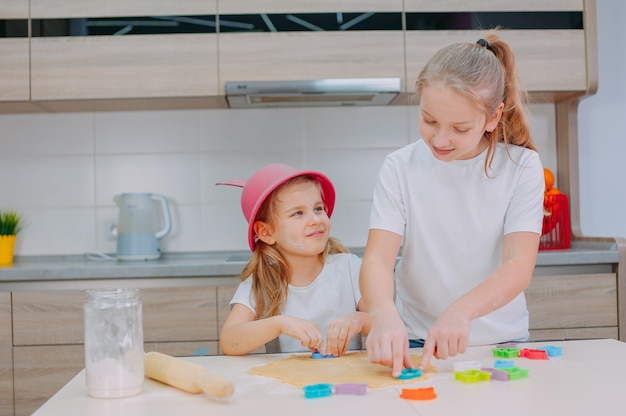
(61, 170)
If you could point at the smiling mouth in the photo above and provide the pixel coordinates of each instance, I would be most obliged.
(442, 152)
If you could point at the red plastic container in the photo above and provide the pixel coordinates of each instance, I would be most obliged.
(556, 232)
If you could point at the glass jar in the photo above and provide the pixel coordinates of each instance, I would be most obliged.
(113, 342)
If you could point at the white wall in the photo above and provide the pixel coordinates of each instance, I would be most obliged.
(602, 131)
(62, 170)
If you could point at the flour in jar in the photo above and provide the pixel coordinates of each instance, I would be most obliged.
(108, 378)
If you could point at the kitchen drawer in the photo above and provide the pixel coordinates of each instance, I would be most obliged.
(573, 301)
(169, 314)
(41, 371)
(6, 332)
(573, 333)
(6, 380)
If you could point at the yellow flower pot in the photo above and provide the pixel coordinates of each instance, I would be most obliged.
(7, 247)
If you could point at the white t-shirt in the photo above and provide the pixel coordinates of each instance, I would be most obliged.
(334, 293)
(453, 218)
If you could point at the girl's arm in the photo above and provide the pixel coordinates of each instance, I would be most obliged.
(449, 334)
(387, 342)
(242, 333)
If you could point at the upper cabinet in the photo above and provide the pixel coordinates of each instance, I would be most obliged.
(14, 58)
(287, 40)
(547, 37)
(98, 49)
(116, 51)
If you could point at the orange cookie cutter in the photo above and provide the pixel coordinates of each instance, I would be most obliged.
(424, 393)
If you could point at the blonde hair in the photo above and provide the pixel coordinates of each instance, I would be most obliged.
(486, 75)
(268, 269)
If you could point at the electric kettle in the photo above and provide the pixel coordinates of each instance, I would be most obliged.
(136, 231)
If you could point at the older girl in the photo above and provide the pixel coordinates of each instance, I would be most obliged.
(465, 204)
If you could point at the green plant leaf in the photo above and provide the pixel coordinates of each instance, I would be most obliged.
(10, 222)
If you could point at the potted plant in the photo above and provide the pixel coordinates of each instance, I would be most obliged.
(10, 225)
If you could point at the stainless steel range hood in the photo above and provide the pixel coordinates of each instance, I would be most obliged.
(310, 93)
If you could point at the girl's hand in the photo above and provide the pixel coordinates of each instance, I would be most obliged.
(447, 337)
(341, 331)
(307, 332)
(388, 343)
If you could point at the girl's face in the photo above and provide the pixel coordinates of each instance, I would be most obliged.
(451, 125)
(300, 226)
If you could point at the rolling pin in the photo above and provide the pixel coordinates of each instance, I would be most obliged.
(185, 375)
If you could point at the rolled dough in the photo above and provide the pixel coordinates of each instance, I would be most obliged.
(354, 367)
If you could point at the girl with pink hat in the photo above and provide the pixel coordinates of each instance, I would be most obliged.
(300, 291)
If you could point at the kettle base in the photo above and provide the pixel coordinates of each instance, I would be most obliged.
(139, 257)
(137, 246)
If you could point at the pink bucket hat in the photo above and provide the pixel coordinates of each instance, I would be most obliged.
(264, 181)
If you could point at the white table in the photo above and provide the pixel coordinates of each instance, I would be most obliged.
(588, 379)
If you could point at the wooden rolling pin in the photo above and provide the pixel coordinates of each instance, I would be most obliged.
(185, 375)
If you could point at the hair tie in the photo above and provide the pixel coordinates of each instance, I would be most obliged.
(483, 43)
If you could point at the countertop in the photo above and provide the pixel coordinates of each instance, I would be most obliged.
(587, 379)
(226, 263)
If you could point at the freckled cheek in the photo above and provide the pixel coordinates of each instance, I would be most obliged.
(326, 223)
(427, 132)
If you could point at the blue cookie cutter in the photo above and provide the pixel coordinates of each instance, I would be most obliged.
(409, 373)
(316, 356)
(317, 390)
(552, 350)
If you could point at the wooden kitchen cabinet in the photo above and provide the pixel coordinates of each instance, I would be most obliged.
(98, 8)
(310, 55)
(14, 69)
(547, 60)
(14, 58)
(106, 67)
(573, 306)
(6, 355)
(83, 73)
(491, 5)
(40, 371)
(49, 334)
(318, 6)
(132, 66)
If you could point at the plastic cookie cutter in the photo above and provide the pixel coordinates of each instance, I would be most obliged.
(467, 365)
(503, 364)
(424, 393)
(533, 354)
(409, 373)
(497, 374)
(552, 350)
(472, 376)
(316, 356)
(351, 388)
(516, 373)
(317, 390)
(506, 352)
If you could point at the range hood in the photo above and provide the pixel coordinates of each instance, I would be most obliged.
(311, 93)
